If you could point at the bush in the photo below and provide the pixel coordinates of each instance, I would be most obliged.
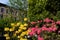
(5, 22)
(46, 29)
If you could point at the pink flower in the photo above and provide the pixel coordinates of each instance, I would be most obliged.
(38, 31)
(47, 20)
(47, 24)
(58, 22)
(34, 29)
(59, 31)
(44, 29)
(52, 21)
(33, 22)
(32, 33)
(36, 26)
(40, 38)
(54, 29)
(50, 29)
(39, 21)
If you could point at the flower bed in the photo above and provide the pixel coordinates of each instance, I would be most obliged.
(46, 29)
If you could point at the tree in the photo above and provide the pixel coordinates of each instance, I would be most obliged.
(40, 9)
(53, 6)
(36, 9)
(19, 4)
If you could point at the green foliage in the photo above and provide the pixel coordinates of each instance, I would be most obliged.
(36, 7)
(40, 9)
(19, 4)
(5, 22)
(53, 6)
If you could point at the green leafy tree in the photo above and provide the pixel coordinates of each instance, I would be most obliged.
(36, 9)
(19, 4)
(40, 9)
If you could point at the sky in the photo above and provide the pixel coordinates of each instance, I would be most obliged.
(4, 1)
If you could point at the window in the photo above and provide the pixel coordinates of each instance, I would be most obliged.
(2, 9)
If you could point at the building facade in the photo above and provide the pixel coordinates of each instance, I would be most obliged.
(7, 11)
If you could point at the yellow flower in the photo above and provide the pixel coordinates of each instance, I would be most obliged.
(6, 29)
(24, 28)
(12, 24)
(6, 35)
(11, 29)
(25, 24)
(18, 36)
(23, 33)
(23, 39)
(17, 32)
(25, 19)
(21, 26)
(18, 24)
(14, 34)
(28, 32)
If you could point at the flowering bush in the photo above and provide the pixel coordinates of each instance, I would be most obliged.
(17, 31)
(46, 29)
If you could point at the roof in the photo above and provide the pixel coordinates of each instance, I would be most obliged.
(1, 4)
(5, 5)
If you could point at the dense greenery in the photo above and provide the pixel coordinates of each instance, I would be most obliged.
(47, 12)
(5, 22)
(19, 4)
(40, 9)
